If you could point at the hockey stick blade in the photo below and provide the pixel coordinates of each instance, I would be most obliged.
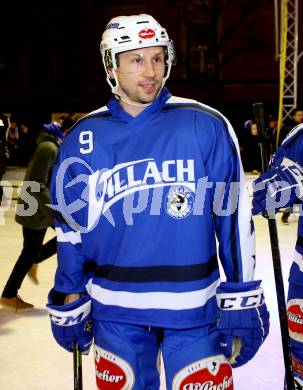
(274, 242)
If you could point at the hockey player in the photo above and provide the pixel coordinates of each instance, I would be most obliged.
(282, 186)
(135, 193)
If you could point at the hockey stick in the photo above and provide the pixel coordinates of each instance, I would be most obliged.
(77, 360)
(259, 118)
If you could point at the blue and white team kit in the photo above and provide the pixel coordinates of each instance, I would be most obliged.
(282, 187)
(145, 200)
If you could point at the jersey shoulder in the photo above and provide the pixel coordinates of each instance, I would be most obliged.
(100, 113)
(176, 102)
(291, 147)
(293, 136)
(208, 115)
(87, 124)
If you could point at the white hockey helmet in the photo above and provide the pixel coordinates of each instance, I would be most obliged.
(124, 33)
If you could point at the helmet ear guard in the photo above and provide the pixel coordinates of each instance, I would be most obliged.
(108, 63)
(171, 53)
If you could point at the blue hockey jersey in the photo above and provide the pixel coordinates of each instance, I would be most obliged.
(144, 198)
(292, 148)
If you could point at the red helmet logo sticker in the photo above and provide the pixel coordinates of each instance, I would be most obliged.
(147, 33)
(295, 319)
(211, 373)
(112, 372)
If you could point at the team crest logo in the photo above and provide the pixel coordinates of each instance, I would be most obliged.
(213, 373)
(295, 319)
(179, 202)
(112, 372)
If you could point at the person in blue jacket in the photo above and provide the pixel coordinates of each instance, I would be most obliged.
(142, 189)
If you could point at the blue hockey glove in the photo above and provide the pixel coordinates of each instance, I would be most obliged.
(243, 321)
(281, 186)
(72, 323)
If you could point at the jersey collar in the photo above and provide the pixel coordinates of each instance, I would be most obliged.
(118, 112)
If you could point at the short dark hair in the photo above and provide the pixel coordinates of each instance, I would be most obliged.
(295, 110)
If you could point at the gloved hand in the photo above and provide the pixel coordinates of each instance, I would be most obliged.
(243, 321)
(71, 323)
(280, 186)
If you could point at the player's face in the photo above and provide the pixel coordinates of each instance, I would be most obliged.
(140, 73)
(254, 130)
(298, 117)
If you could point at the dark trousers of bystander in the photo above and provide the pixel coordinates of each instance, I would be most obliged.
(33, 252)
(1, 188)
(3, 163)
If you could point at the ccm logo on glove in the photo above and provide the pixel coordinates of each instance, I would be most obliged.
(240, 301)
(73, 317)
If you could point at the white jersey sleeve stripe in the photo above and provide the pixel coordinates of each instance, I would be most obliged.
(71, 237)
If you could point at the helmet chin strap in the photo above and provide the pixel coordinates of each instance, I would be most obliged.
(129, 102)
(116, 91)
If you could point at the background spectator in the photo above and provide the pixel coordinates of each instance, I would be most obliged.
(34, 224)
(296, 117)
(250, 150)
(3, 149)
(12, 136)
(25, 145)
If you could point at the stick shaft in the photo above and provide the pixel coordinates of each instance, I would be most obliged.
(77, 361)
(259, 118)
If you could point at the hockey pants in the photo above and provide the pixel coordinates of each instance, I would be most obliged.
(127, 357)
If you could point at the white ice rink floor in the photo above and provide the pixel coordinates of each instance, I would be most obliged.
(31, 360)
